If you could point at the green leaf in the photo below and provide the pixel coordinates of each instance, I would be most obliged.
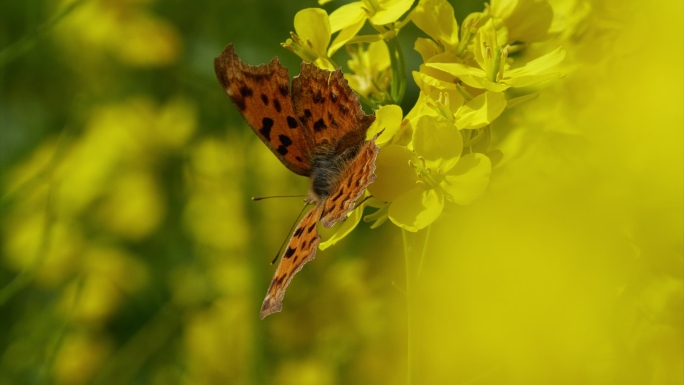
(468, 180)
(417, 208)
(481, 111)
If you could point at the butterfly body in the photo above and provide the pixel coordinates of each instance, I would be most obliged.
(317, 129)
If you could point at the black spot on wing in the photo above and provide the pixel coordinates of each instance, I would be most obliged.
(291, 122)
(298, 232)
(282, 150)
(310, 229)
(245, 91)
(319, 125)
(284, 90)
(333, 97)
(318, 98)
(276, 104)
(307, 115)
(285, 140)
(299, 159)
(289, 253)
(267, 124)
(336, 197)
(332, 120)
(264, 99)
(239, 103)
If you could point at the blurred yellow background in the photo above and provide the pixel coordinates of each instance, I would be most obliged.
(132, 254)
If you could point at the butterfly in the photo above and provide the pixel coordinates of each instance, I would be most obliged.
(317, 129)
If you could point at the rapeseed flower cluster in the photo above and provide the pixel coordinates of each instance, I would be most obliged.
(438, 154)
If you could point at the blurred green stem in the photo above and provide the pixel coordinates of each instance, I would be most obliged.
(26, 275)
(398, 65)
(415, 245)
(21, 46)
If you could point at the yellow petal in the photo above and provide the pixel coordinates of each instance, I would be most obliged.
(426, 48)
(436, 19)
(390, 11)
(539, 64)
(437, 141)
(343, 228)
(468, 180)
(394, 175)
(417, 209)
(345, 35)
(347, 15)
(481, 110)
(527, 20)
(313, 25)
(387, 118)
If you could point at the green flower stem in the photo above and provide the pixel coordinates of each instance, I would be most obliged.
(415, 246)
(398, 84)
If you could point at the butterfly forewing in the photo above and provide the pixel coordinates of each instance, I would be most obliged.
(262, 95)
(330, 109)
(300, 250)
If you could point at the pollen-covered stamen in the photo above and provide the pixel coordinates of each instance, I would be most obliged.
(431, 178)
(470, 26)
(305, 50)
(502, 63)
(487, 50)
(442, 106)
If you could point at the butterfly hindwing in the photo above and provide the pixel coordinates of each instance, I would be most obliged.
(262, 95)
(330, 109)
(300, 249)
(352, 181)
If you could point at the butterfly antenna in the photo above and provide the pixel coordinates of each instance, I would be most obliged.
(277, 196)
(360, 203)
(287, 238)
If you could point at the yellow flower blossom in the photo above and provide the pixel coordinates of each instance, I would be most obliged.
(495, 76)
(312, 36)
(418, 183)
(371, 70)
(349, 18)
(436, 19)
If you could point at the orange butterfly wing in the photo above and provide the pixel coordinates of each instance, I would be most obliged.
(331, 110)
(300, 250)
(262, 95)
